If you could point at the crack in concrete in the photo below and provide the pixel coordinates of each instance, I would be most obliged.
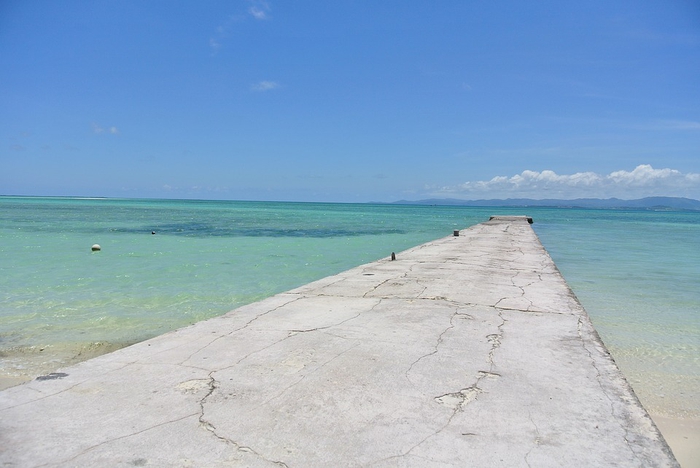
(274, 309)
(537, 441)
(213, 385)
(522, 295)
(417, 281)
(398, 282)
(274, 343)
(295, 383)
(495, 340)
(434, 351)
(460, 399)
(526, 311)
(377, 286)
(247, 324)
(340, 279)
(522, 289)
(295, 331)
(126, 436)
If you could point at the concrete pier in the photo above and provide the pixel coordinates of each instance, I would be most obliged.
(467, 351)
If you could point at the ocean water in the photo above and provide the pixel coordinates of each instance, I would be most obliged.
(636, 272)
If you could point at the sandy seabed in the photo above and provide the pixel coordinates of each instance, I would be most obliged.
(25, 363)
(683, 436)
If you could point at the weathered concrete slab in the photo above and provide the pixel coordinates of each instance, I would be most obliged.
(465, 351)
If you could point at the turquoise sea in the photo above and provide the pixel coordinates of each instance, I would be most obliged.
(636, 272)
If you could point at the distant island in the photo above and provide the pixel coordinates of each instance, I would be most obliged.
(648, 203)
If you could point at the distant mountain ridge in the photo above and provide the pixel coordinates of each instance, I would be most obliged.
(648, 203)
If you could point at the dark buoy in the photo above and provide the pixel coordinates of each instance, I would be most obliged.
(96, 248)
(393, 256)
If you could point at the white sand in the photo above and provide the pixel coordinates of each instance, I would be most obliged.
(683, 435)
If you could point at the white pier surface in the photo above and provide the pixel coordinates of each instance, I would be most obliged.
(470, 350)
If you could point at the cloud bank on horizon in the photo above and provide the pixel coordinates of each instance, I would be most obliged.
(642, 181)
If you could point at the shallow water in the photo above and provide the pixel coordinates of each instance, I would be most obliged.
(637, 274)
(634, 271)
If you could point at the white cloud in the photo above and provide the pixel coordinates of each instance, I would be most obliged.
(257, 13)
(642, 181)
(220, 33)
(99, 129)
(265, 86)
(259, 9)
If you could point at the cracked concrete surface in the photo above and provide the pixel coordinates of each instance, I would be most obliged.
(467, 351)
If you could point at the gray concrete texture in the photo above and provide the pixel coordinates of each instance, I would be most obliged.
(467, 351)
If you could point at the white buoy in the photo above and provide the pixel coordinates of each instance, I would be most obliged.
(96, 248)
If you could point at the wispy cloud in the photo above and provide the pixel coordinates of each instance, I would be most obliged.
(265, 86)
(99, 129)
(221, 32)
(642, 181)
(259, 9)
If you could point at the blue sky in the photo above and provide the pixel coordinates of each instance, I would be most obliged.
(350, 101)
